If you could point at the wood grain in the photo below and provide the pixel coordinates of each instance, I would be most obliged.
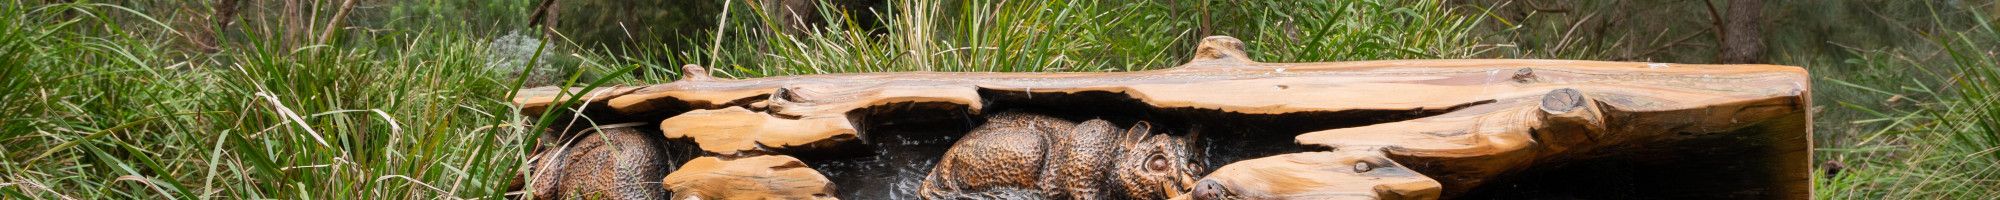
(755, 177)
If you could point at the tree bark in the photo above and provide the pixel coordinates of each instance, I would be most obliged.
(1742, 39)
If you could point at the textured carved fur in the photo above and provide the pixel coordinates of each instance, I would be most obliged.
(1059, 159)
(615, 163)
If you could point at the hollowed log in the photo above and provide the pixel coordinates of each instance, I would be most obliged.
(1466, 128)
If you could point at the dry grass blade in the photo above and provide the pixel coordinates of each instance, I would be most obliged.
(293, 116)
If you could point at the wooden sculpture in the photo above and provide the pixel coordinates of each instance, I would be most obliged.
(1396, 129)
(607, 162)
(1059, 159)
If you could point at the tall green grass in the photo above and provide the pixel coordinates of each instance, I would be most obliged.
(1071, 36)
(99, 105)
(1924, 125)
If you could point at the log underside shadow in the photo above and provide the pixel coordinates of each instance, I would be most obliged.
(1467, 128)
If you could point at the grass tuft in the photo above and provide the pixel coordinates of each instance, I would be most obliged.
(1936, 136)
(98, 108)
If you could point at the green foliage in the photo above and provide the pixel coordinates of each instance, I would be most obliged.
(1072, 35)
(95, 110)
(626, 24)
(1916, 122)
(1316, 31)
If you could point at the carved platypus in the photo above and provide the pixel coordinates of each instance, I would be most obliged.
(1053, 158)
(612, 162)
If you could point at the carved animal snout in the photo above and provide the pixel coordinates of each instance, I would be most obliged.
(1210, 190)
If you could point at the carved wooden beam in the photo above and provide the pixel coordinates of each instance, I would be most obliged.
(754, 177)
(1484, 119)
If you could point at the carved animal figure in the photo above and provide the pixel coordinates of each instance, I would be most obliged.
(618, 162)
(1055, 158)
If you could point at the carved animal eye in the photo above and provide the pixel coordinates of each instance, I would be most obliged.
(1157, 163)
(1194, 167)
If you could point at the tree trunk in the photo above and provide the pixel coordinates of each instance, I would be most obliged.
(1743, 39)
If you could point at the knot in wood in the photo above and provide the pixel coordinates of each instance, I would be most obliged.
(1524, 75)
(1362, 167)
(1562, 101)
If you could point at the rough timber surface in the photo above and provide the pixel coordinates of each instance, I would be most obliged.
(1498, 117)
(754, 177)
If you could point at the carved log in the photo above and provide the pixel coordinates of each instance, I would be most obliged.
(1457, 124)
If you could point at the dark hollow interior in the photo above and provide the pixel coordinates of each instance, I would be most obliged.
(1739, 164)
